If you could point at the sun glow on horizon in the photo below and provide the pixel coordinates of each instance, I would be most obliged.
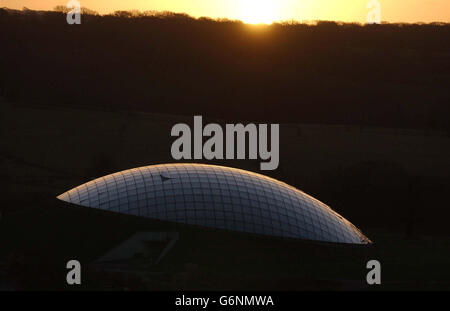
(265, 11)
(258, 11)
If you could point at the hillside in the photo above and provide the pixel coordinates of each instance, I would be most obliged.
(390, 75)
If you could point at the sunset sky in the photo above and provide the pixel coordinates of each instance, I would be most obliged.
(267, 10)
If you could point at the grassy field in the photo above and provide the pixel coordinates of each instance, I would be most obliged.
(391, 183)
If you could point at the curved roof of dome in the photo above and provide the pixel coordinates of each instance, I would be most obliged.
(218, 197)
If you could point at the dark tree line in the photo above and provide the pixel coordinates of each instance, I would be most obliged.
(393, 75)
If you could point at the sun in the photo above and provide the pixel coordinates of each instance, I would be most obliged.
(257, 11)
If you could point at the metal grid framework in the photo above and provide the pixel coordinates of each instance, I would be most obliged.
(218, 197)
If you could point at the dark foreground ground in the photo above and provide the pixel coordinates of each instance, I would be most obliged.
(391, 183)
(208, 260)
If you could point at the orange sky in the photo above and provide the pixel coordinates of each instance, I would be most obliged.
(267, 10)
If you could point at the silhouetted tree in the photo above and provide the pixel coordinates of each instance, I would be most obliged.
(65, 10)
